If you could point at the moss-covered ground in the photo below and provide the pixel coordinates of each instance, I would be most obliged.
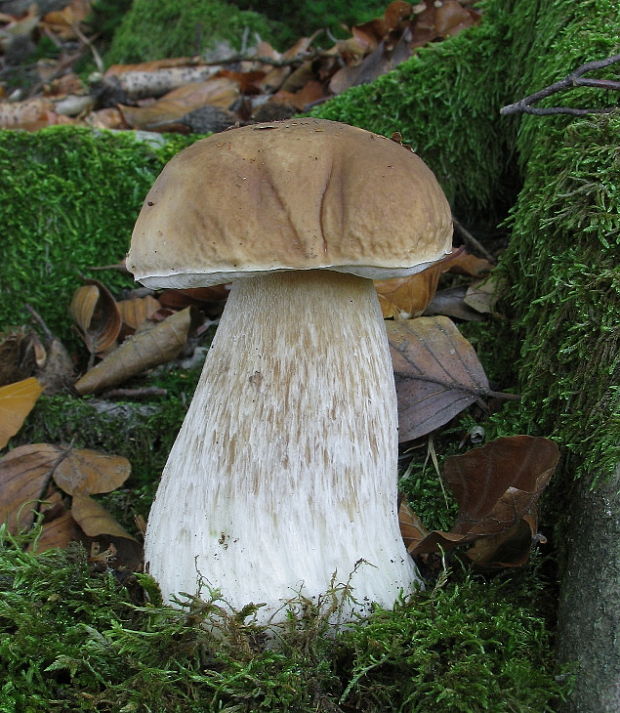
(76, 640)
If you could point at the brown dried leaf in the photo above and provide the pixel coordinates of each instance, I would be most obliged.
(483, 295)
(25, 473)
(58, 532)
(96, 314)
(16, 402)
(468, 264)
(497, 484)
(497, 487)
(137, 310)
(451, 303)
(405, 297)
(88, 472)
(310, 93)
(451, 18)
(220, 92)
(63, 22)
(95, 520)
(437, 373)
(144, 350)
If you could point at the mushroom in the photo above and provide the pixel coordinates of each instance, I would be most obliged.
(282, 481)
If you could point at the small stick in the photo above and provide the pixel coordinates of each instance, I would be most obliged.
(574, 79)
(39, 320)
(142, 393)
(472, 242)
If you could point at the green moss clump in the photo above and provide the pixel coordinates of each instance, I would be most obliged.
(153, 29)
(299, 19)
(73, 639)
(68, 202)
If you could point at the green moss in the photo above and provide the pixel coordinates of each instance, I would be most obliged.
(68, 201)
(153, 29)
(73, 639)
(565, 301)
(301, 19)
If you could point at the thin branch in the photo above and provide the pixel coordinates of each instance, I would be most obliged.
(39, 320)
(234, 59)
(471, 241)
(574, 79)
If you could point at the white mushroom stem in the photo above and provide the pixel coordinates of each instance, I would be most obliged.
(284, 473)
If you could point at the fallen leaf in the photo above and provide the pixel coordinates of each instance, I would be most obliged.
(96, 314)
(220, 92)
(142, 351)
(30, 114)
(16, 402)
(482, 295)
(437, 373)
(88, 472)
(451, 303)
(137, 310)
(95, 520)
(405, 297)
(497, 487)
(25, 473)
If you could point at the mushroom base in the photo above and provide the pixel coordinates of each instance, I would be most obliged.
(282, 481)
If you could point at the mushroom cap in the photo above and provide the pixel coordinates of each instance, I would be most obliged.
(302, 194)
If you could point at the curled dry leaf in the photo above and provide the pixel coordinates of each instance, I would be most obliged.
(405, 297)
(144, 350)
(134, 312)
(497, 487)
(437, 373)
(59, 528)
(16, 402)
(95, 312)
(30, 114)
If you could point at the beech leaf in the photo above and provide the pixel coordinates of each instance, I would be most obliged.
(497, 487)
(89, 472)
(95, 520)
(16, 402)
(25, 473)
(95, 312)
(437, 373)
(137, 310)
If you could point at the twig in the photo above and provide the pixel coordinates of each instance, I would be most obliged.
(89, 43)
(39, 320)
(145, 392)
(235, 58)
(574, 79)
(472, 242)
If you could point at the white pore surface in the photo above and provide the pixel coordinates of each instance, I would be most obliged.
(284, 471)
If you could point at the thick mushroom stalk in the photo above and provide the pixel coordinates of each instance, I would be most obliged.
(283, 477)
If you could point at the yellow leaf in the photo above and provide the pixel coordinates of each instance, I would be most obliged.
(16, 402)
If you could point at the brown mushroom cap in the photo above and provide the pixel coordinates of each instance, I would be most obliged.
(302, 194)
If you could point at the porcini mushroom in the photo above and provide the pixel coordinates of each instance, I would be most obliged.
(283, 477)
